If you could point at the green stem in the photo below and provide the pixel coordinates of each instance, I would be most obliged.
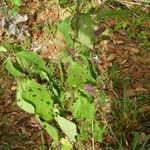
(42, 141)
(93, 136)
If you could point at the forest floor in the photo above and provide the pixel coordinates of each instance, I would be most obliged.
(123, 60)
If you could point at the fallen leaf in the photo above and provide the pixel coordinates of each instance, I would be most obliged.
(111, 57)
(145, 108)
(133, 51)
(142, 138)
(123, 62)
(140, 89)
(130, 93)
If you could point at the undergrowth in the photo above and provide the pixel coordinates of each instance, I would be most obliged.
(65, 97)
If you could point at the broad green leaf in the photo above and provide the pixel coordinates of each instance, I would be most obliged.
(99, 130)
(11, 69)
(68, 127)
(80, 108)
(31, 62)
(52, 131)
(40, 98)
(26, 58)
(85, 129)
(84, 25)
(21, 86)
(77, 74)
(66, 145)
(16, 2)
(64, 30)
(3, 49)
(63, 2)
(104, 14)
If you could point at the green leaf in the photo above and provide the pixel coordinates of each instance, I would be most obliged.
(21, 86)
(80, 108)
(99, 130)
(64, 30)
(31, 62)
(3, 49)
(77, 74)
(104, 14)
(68, 127)
(66, 145)
(26, 58)
(85, 29)
(63, 2)
(85, 129)
(16, 2)
(52, 131)
(40, 98)
(11, 69)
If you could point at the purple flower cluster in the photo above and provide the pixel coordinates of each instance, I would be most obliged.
(89, 88)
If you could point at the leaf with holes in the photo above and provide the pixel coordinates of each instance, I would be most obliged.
(40, 98)
(77, 74)
(22, 86)
(68, 127)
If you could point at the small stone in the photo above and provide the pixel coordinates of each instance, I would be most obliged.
(20, 18)
(12, 29)
(13, 88)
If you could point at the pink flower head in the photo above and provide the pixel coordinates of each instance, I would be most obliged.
(89, 88)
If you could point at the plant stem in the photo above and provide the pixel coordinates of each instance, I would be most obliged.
(42, 141)
(93, 136)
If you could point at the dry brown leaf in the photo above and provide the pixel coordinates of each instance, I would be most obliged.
(145, 108)
(140, 89)
(131, 93)
(133, 51)
(111, 57)
(42, 16)
(117, 42)
(142, 138)
(123, 62)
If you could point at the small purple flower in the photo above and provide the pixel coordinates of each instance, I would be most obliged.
(97, 32)
(89, 88)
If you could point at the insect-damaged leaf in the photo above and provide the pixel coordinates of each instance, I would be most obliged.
(37, 95)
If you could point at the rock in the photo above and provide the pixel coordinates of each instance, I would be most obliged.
(20, 18)
(12, 29)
